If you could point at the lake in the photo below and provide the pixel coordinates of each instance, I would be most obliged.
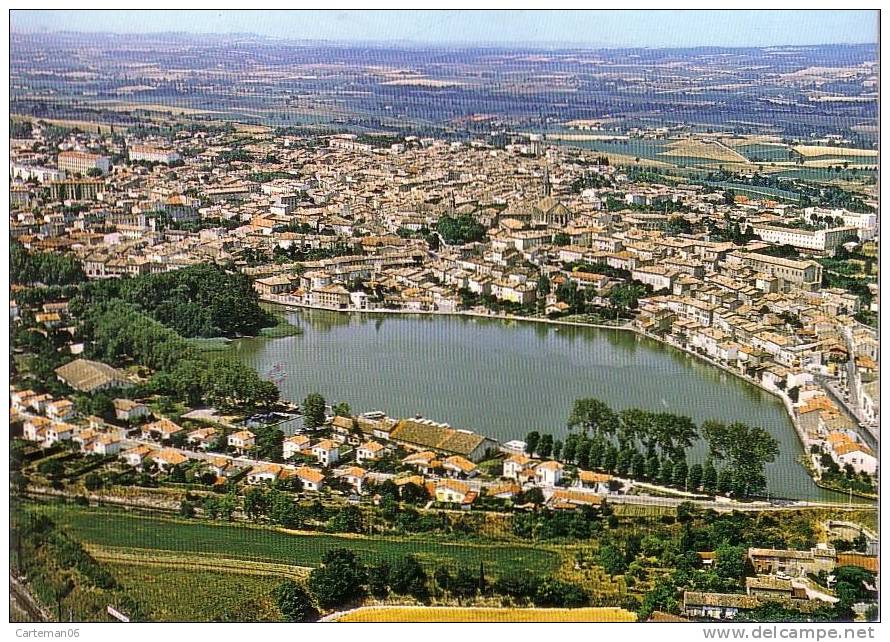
(504, 378)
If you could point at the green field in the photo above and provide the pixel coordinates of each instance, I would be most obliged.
(769, 153)
(174, 595)
(110, 527)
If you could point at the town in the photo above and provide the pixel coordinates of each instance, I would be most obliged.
(141, 253)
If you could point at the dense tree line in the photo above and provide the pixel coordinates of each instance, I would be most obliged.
(198, 301)
(652, 446)
(118, 333)
(343, 580)
(46, 268)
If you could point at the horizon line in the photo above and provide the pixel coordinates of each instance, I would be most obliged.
(433, 43)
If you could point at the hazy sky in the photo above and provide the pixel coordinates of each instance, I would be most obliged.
(636, 28)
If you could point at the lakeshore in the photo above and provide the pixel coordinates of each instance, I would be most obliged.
(398, 368)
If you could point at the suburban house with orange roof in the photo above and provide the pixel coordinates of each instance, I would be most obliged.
(326, 452)
(60, 410)
(563, 499)
(294, 445)
(369, 451)
(426, 462)
(452, 491)
(59, 431)
(161, 429)
(34, 428)
(518, 467)
(167, 458)
(354, 476)
(202, 438)
(135, 456)
(596, 481)
(265, 474)
(129, 410)
(241, 441)
(548, 473)
(845, 450)
(105, 445)
(458, 466)
(311, 478)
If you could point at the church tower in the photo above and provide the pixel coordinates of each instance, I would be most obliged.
(546, 182)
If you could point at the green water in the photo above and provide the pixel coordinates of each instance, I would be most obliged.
(506, 378)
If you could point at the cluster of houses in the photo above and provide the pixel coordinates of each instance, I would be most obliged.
(779, 576)
(47, 422)
(444, 459)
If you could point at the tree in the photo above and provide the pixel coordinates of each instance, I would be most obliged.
(313, 411)
(347, 520)
(680, 473)
(186, 508)
(543, 286)
(724, 481)
(662, 597)
(294, 602)
(592, 415)
(709, 477)
(729, 562)
(461, 229)
(694, 478)
(569, 448)
(443, 578)
(557, 448)
(531, 442)
(552, 592)
(465, 583)
(378, 580)
(92, 481)
(342, 409)
(611, 559)
(746, 450)
(255, 503)
(339, 580)
(666, 474)
(545, 446)
(407, 577)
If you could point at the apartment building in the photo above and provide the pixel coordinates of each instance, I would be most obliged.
(152, 154)
(826, 240)
(83, 162)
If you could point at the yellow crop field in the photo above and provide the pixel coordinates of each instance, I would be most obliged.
(710, 150)
(484, 614)
(826, 150)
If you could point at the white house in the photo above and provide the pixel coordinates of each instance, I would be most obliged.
(129, 410)
(326, 452)
(354, 476)
(548, 473)
(369, 451)
(61, 410)
(516, 465)
(242, 440)
(106, 445)
(294, 445)
(135, 456)
(311, 478)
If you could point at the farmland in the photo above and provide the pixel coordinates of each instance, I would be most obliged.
(825, 150)
(114, 528)
(447, 614)
(173, 594)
